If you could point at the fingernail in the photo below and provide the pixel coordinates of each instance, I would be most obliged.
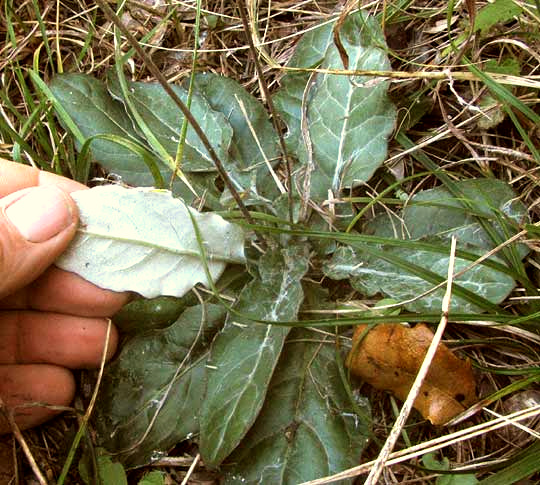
(40, 214)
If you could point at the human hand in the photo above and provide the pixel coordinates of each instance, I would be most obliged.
(50, 320)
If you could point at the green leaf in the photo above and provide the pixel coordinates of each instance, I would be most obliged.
(487, 214)
(164, 119)
(94, 112)
(307, 428)
(97, 116)
(288, 103)
(144, 240)
(153, 478)
(508, 65)
(373, 274)
(436, 212)
(151, 393)
(144, 314)
(493, 13)
(244, 354)
(110, 473)
(457, 479)
(248, 165)
(429, 461)
(348, 117)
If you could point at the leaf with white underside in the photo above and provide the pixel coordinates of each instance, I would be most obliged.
(245, 353)
(144, 240)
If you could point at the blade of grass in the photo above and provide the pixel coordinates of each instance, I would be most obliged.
(11, 36)
(62, 113)
(90, 34)
(183, 130)
(42, 29)
(143, 152)
(527, 462)
(360, 240)
(84, 421)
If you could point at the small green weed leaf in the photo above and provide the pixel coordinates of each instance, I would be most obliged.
(244, 355)
(164, 119)
(429, 461)
(153, 478)
(494, 112)
(348, 117)
(508, 65)
(457, 479)
(372, 274)
(110, 472)
(144, 240)
(436, 212)
(493, 13)
(307, 428)
(248, 167)
(151, 393)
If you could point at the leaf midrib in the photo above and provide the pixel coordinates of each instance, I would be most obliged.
(162, 247)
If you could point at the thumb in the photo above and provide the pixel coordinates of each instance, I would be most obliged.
(36, 225)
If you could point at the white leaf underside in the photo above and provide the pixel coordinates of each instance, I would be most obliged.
(144, 240)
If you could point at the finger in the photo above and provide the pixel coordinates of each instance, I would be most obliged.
(64, 292)
(26, 384)
(28, 337)
(15, 176)
(36, 225)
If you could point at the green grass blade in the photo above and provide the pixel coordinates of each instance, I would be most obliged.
(143, 152)
(525, 464)
(183, 130)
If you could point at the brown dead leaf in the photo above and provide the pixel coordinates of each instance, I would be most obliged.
(389, 356)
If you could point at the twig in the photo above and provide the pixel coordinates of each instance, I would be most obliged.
(89, 409)
(433, 445)
(258, 142)
(524, 81)
(376, 471)
(191, 469)
(8, 414)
